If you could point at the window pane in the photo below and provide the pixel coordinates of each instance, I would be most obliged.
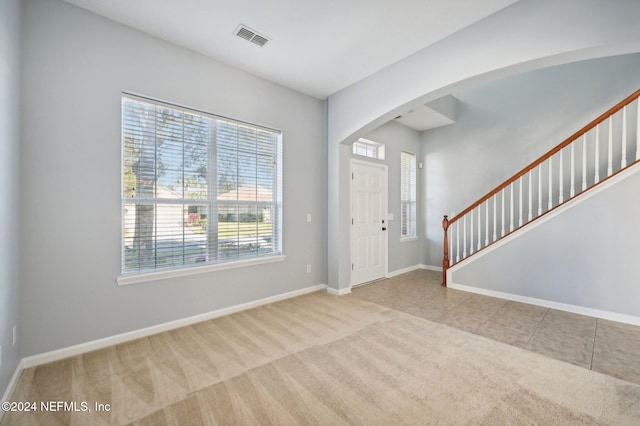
(368, 148)
(227, 135)
(265, 143)
(247, 140)
(408, 194)
(197, 136)
(245, 230)
(247, 176)
(265, 228)
(227, 174)
(195, 172)
(138, 132)
(169, 167)
(155, 236)
(139, 244)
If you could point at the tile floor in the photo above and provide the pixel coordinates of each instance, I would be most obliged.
(605, 346)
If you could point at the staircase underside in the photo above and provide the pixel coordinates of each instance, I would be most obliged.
(580, 257)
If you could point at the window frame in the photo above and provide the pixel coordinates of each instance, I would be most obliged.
(212, 202)
(408, 231)
(368, 149)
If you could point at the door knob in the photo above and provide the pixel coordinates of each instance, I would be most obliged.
(384, 229)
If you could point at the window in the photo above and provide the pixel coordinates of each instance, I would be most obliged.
(367, 148)
(197, 188)
(408, 194)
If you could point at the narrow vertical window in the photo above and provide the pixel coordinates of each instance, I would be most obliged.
(407, 195)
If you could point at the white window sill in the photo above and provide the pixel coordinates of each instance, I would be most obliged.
(405, 239)
(174, 273)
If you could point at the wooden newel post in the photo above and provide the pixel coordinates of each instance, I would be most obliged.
(445, 259)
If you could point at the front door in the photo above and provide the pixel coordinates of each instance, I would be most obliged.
(368, 221)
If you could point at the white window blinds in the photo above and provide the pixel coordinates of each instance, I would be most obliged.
(408, 194)
(197, 188)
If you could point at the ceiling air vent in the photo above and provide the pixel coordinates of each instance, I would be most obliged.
(250, 35)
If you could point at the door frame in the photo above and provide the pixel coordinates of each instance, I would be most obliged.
(385, 179)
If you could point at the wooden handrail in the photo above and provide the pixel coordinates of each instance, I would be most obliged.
(447, 222)
(626, 101)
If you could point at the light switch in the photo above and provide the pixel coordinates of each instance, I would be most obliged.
(308, 217)
(389, 216)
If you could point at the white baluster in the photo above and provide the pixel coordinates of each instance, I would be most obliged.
(596, 178)
(584, 162)
(572, 191)
(471, 235)
(539, 189)
(638, 132)
(530, 191)
(610, 148)
(464, 236)
(511, 209)
(457, 241)
(451, 243)
(623, 161)
(495, 213)
(561, 181)
(520, 202)
(479, 229)
(550, 202)
(503, 195)
(486, 223)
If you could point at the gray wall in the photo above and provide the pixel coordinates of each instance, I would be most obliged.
(527, 35)
(9, 175)
(398, 138)
(586, 256)
(404, 254)
(75, 66)
(504, 125)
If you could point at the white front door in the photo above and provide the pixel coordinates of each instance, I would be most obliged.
(368, 221)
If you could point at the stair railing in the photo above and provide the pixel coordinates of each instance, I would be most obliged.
(587, 158)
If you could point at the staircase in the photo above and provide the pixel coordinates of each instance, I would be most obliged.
(597, 152)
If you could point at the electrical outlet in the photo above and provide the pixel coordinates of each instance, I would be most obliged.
(15, 335)
(308, 269)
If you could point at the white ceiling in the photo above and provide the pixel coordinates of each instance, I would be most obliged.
(438, 113)
(316, 47)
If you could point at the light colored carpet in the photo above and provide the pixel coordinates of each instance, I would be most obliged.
(320, 359)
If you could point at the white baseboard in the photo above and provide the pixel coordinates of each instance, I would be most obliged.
(413, 268)
(81, 348)
(431, 268)
(12, 385)
(596, 313)
(402, 271)
(338, 292)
